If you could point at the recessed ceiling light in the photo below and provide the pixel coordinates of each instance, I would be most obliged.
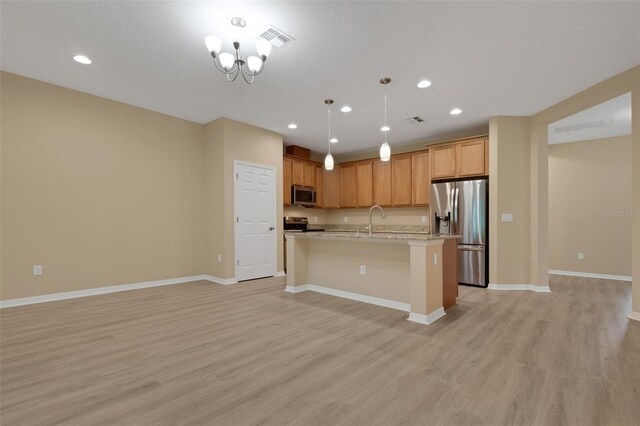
(455, 111)
(424, 83)
(345, 108)
(293, 126)
(333, 140)
(82, 59)
(385, 128)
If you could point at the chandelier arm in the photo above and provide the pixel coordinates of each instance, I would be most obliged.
(234, 77)
(245, 77)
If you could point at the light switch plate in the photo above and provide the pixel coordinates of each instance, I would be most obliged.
(507, 217)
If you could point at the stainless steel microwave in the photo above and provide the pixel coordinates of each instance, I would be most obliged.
(303, 196)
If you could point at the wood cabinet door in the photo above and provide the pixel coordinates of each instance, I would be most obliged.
(331, 188)
(382, 183)
(348, 186)
(364, 183)
(401, 180)
(297, 172)
(286, 181)
(318, 186)
(443, 162)
(471, 158)
(310, 175)
(421, 179)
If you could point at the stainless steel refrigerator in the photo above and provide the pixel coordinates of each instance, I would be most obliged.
(460, 208)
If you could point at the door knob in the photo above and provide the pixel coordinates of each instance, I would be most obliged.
(271, 228)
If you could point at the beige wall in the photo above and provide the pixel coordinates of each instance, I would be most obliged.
(214, 200)
(509, 193)
(625, 82)
(97, 192)
(589, 198)
(255, 145)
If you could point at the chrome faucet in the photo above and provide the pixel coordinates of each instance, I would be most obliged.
(370, 227)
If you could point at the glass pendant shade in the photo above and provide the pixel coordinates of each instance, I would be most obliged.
(214, 44)
(328, 162)
(227, 60)
(385, 152)
(263, 47)
(254, 63)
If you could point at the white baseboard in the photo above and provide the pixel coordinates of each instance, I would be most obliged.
(634, 316)
(223, 281)
(529, 287)
(590, 275)
(280, 274)
(103, 290)
(427, 319)
(406, 307)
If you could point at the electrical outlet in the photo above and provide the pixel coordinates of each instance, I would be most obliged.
(346, 219)
(424, 219)
(363, 270)
(507, 217)
(219, 258)
(37, 270)
(580, 256)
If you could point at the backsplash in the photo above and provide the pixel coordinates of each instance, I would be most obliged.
(402, 216)
(416, 229)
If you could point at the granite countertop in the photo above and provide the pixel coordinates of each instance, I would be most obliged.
(384, 236)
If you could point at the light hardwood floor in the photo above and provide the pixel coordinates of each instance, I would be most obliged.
(246, 354)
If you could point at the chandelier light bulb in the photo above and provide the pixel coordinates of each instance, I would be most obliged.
(385, 152)
(263, 47)
(328, 162)
(214, 44)
(227, 60)
(254, 63)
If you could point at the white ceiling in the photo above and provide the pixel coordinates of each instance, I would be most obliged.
(606, 120)
(488, 58)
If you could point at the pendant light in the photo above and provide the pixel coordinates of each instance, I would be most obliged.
(385, 149)
(328, 160)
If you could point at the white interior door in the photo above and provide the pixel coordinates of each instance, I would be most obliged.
(255, 235)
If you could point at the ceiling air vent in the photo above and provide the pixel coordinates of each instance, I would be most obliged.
(414, 120)
(276, 37)
(582, 126)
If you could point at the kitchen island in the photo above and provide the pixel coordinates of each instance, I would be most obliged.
(415, 273)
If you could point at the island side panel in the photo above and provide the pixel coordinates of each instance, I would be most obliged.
(297, 263)
(450, 273)
(434, 276)
(335, 264)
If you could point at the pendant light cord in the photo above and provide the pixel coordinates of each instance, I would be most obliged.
(385, 112)
(329, 133)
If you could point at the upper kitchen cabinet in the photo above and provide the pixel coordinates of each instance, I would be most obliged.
(319, 186)
(297, 172)
(364, 183)
(460, 159)
(471, 158)
(309, 175)
(420, 179)
(382, 183)
(443, 162)
(331, 188)
(401, 185)
(348, 197)
(286, 181)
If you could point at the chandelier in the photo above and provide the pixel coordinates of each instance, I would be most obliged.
(328, 160)
(233, 64)
(385, 149)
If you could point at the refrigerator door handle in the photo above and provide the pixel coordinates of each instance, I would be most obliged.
(463, 247)
(454, 213)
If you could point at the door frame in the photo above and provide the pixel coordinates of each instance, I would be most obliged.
(236, 164)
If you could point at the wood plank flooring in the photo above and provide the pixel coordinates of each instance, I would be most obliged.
(248, 354)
